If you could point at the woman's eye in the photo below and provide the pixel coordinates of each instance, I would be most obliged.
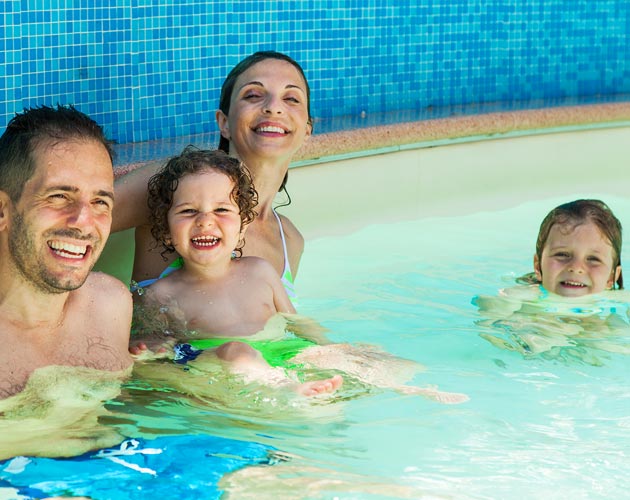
(293, 99)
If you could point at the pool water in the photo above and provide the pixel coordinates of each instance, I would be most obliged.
(542, 425)
(554, 425)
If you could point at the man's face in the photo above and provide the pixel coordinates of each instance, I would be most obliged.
(60, 224)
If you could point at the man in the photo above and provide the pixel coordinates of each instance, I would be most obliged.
(56, 200)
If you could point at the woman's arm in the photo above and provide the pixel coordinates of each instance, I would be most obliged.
(131, 211)
(130, 191)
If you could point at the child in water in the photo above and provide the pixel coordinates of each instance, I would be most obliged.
(201, 203)
(224, 305)
(578, 250)
(578, 254)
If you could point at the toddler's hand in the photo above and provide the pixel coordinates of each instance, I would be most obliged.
(140, 350)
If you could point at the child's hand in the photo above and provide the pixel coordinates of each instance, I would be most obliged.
(307, 328)
(140, 350)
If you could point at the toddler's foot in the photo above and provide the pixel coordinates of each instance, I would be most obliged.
(318, 387)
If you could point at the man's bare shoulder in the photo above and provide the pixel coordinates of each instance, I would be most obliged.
(105, 298)
(100, 284)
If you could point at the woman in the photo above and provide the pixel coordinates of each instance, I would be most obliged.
(264, 118)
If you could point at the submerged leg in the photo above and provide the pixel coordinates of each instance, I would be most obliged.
(448, 398)
(373, 367)
(246, 361)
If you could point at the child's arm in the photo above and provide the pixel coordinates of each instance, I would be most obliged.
(152, 332)
(307, 328)
(507, 302)
(300, 326)
(280, 297)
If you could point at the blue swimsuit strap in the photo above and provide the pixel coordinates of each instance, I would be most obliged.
(173, 266)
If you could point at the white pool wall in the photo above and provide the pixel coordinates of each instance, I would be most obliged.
(462, 173)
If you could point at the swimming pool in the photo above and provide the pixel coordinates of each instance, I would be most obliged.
(397, 247)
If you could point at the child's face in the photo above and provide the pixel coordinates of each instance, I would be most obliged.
(576, 261)
(204, 221)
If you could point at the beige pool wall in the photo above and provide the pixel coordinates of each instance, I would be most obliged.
(440, 167)
(458, 165)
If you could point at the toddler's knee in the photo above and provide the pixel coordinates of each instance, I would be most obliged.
(235, 351)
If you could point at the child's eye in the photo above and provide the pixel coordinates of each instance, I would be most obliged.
(188, 211)
(595, 260)
(224, 210)
(561, 255)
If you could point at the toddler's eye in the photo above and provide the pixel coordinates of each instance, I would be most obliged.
(225, 210)
(561, 255)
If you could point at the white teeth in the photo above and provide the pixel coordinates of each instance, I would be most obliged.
(68, 250)
(205, 241)
(276, 130)
(574, 283)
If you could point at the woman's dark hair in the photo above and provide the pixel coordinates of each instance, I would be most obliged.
(228, 88)
(573, 214)
(164, 183)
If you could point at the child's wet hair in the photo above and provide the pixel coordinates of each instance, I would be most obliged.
(573, 214)
(192, 160)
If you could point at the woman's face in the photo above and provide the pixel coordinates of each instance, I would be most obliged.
(268, 115)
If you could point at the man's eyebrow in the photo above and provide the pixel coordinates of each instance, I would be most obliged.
(74, 189)
(106, 194)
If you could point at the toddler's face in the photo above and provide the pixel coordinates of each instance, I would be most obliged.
(204, 221)
(576, 261)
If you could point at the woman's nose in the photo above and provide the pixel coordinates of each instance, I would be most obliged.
(272, 105)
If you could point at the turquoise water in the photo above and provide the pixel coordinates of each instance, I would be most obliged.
(547, 425)
(553, 425)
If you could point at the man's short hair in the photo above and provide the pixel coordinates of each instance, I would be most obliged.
(29, 129)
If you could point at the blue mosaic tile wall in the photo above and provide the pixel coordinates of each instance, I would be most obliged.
(152, 69)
